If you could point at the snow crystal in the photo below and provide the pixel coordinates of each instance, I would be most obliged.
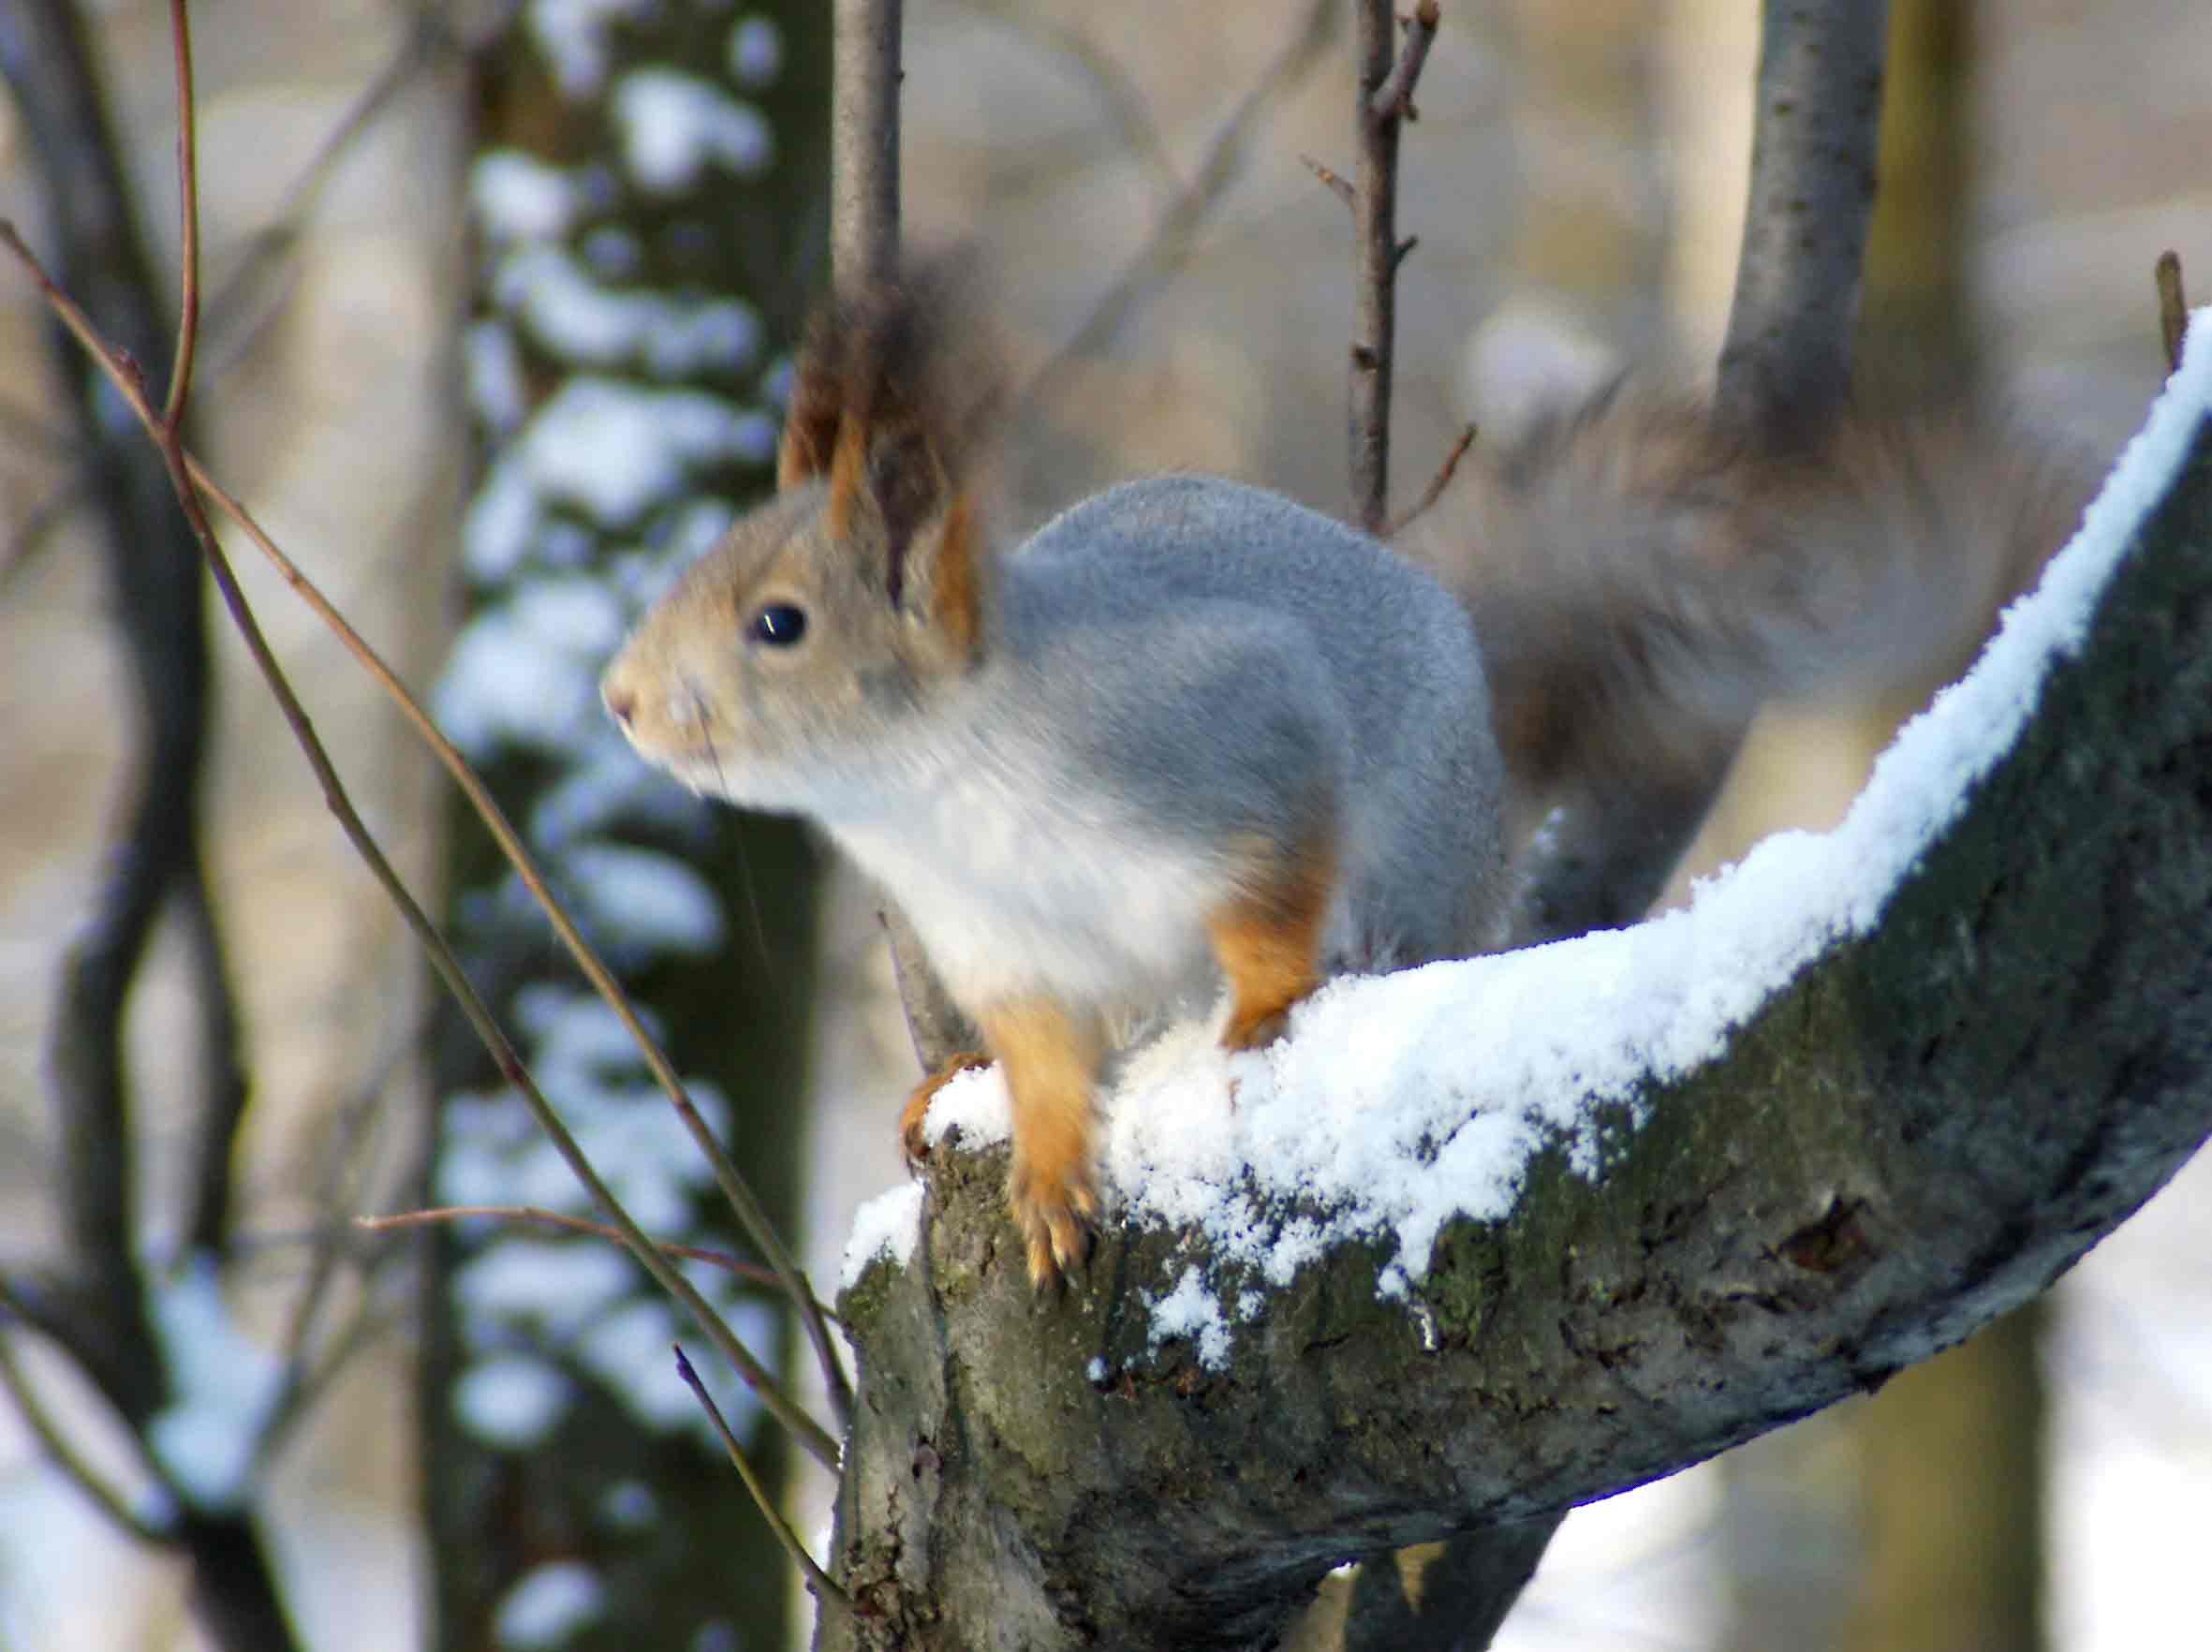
(224, 1386)
(511, 1401)
(673, 125)
(1398, 1104)
(888, 1224)
(549, 1605)
(1190, 1313)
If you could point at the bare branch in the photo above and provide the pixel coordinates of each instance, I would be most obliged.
(817, 1580)
(1394, 98)
(1124, 103)
(864, 140)
(234, 308)
(190, 481)
(180, 377)
(38, 524)
(1338, 184)
(1175, 236)
(1787, 358)
(1437, 485)
(159, 604)
(75, 1467)
(207, 1217)
(2173, 308)
(1374, 239)
(751, 1271)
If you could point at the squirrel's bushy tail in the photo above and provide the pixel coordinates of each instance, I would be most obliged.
(1643, 581)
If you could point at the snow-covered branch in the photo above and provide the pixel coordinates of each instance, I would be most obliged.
(1496, 1237)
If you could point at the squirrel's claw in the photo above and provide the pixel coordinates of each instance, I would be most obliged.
(1058, 1221)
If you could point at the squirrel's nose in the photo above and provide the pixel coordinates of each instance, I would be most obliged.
(622, 701)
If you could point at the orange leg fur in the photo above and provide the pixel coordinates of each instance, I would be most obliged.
(1051, 1053)
(1268, 942)
(917, 1107)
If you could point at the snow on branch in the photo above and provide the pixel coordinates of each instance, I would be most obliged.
(1402, 1102)
(1490, 1238)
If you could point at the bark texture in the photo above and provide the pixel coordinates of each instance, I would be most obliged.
(1920, 1132)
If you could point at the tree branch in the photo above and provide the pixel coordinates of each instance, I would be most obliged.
(1913, 1134)
(817, 1580)
(864, 76)
(750, 1272)
(2173, 308)
(1384, 82)
(73, 1464)
(191, 481)
(153, 571)
(1786, 362)
(1174, 235)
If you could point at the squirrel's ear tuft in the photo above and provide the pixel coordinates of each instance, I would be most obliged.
(958, 567)
(817, 404)
(901, 413)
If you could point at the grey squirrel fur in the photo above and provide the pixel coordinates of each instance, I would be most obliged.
(1192, 731)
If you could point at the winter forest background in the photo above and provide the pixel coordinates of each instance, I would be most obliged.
(496, 296)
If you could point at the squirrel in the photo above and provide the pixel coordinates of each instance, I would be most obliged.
(1191, 728)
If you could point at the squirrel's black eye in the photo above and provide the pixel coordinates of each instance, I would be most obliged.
(779, 624)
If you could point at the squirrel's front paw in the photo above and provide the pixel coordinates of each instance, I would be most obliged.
(917, 1108)
(1058, 1216)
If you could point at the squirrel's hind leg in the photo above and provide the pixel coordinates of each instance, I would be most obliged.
(1268, 941)
(1051, 1052)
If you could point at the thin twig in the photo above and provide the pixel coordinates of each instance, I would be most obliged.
(230, 322)
(751, 1271)
(1124, 104)
(184, 473)
(1376, 120)
(1394, 98)
(30, 534)
(297, 1397)
(817, 1580)
(1437, 483)
(1338, 183)
(1169, 246)
(2173, 308)
(1384, 83)
(328, 1244)
(73, 1464)
(159, 613)
(190, 480)
(180, 377)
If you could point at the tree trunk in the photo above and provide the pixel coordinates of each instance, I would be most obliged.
(633, 1503)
